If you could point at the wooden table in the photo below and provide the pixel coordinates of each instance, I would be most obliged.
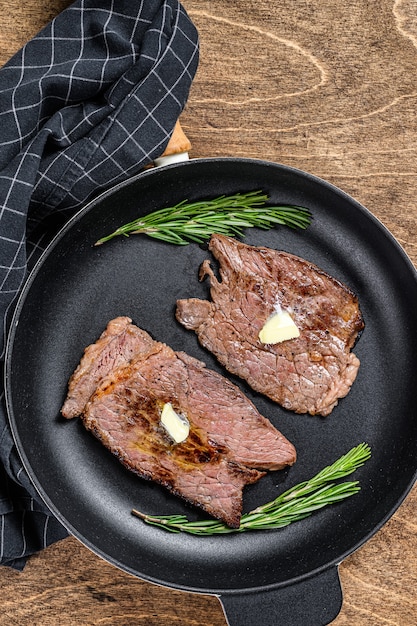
(328, 87)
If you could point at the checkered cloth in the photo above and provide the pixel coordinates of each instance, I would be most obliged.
(88, 102)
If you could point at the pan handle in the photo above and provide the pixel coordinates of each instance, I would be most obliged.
(315, 601)
(177, 149)
(179, 141)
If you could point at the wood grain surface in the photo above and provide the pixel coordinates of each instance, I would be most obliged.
(328, 87)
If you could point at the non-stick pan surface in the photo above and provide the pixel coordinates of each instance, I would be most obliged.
(77, 288)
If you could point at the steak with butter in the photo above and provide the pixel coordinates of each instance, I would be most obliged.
(307, 373)
(120, 389)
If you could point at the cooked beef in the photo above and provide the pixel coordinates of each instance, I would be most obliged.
(119, 389)
(125, 417)
(117, 345)
(307, 374)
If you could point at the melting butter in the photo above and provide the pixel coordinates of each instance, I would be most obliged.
(278, 327)
(177, 426)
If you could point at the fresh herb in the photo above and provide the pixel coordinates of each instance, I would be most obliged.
(225, 215)
(295, 504)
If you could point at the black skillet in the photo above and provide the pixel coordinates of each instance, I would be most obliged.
(288, 576)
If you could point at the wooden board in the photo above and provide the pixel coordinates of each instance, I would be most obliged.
(330, 88)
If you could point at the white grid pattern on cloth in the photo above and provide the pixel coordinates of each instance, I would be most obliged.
(86, 103)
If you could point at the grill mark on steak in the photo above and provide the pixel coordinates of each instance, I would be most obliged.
(308, 374)
(229, 441)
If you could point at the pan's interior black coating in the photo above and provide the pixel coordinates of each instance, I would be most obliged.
(78, 288)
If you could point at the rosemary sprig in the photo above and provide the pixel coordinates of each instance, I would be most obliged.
(226, 215)
(291, 506)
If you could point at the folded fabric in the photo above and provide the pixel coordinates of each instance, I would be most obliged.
(88, 102)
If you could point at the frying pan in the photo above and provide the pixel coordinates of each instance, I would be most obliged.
(286, 576)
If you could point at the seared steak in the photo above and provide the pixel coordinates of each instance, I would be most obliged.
(307, 374)
(119, 389)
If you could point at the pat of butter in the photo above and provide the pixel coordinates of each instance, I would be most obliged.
(279, 327)
(177, 426)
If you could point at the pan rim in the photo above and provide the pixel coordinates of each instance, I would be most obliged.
(19, 304)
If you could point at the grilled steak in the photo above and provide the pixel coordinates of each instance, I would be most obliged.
(307, 374)
(119, 389)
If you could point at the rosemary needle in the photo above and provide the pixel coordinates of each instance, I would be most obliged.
(291, 506)
(226, 215)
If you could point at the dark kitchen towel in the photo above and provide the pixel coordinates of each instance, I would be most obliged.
(88, 102)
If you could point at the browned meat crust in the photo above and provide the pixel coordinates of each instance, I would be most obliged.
(119, 389)
(307, 374)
